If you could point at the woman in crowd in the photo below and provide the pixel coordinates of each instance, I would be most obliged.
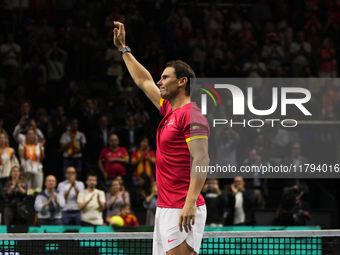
(115, 198)
(7, 156)
(15, 192)
(150, 203)
(32, 154)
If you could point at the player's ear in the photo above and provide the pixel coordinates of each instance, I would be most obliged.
(183, 81)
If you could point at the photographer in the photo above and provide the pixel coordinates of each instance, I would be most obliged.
(292, 210)
(241, 203)
(216, 201)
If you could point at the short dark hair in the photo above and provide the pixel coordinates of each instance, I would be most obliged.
(91, 174)
(182, 69)
(125, 206)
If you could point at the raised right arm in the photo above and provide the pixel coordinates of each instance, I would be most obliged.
(139, 74)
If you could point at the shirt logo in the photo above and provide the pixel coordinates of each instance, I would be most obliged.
(171, 121)
(195, 127)
(169, 241)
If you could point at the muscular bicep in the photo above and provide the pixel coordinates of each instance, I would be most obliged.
(152, 92)
(199, 151)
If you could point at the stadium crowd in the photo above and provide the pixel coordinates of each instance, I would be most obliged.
(70, 112)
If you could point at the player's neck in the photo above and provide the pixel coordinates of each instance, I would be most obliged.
(179, 101)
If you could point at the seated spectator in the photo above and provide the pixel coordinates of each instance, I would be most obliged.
(143, 159)
(241, 202)
(113, 159)
(15, 189)
(91, 203)
(125, 213)
(292, 210)
(70, 188)
(7, 158)
(216, 201)
(49, 203)
(31, 155)
(150, 204)
(115, 198)
(72, 143)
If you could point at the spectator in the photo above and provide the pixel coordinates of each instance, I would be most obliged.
(226, 142)
(330, 100)
(198, 47)
(21, 129)
(32, 154)
(328, 65)
(143, 159)
(10, 52)
(216, 201)
(113, 159)
(70, 188)
(130, 135)
(300, 52)
(49, 203)
(143, 190)
(272, 53)
(72, 143)
(115, 198)
(90, 117)
(7, 159)
(292, 210)
(254, 68)
(57, 127)
(150, 204)
(15, 108)
(278, 140)
(298, 161)
(241, 202)
(101, 136)
(91, 203)
(262, 14)
(129, 219)
(15, 189)
(55, 59)
(258, 185)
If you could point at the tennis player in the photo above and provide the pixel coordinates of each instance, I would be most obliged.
(180, 205)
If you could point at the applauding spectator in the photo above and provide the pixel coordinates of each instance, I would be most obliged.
(31, 155)
(73, 144)
(70, 188)
(15, 189)
(143, 159)
(49, 203)
(7, 158)
(115, 198)
(91, 203)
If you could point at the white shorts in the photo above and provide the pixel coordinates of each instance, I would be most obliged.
(166, 234)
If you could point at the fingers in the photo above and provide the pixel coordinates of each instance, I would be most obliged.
(120, 26)
(180, 223)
